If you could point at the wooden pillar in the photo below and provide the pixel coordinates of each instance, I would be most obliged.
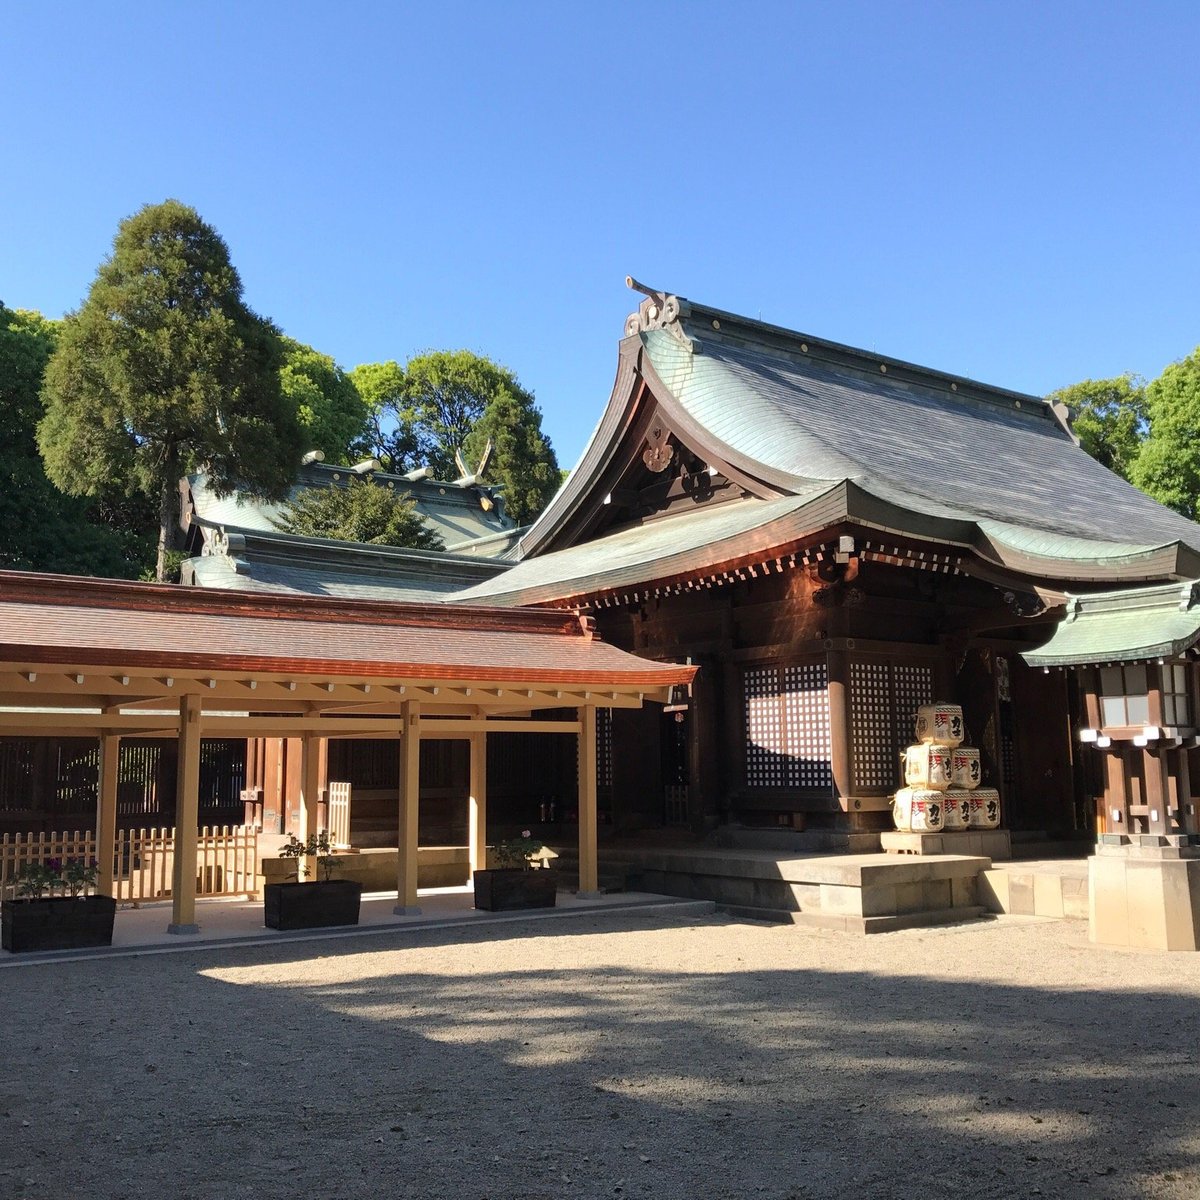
(589, 879)
(187, 816)
(409, 809)
(310, 773)
(477, 812)
(839, 726)
(106, 813)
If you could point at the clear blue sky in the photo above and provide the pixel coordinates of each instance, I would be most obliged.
(1006, 190)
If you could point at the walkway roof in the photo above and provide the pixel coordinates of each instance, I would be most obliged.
(116, 654)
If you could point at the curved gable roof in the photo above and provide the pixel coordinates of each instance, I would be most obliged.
(914, 451)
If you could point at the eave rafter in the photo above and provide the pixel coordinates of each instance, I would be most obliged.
(37, 700)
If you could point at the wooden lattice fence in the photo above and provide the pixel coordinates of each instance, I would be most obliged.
(226, 859)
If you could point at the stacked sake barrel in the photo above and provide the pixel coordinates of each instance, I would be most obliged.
(942, 778)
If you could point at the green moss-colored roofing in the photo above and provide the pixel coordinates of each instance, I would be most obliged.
(656, 550)
(1116, 627)
(940, 452)
(451, 510)
(861, 439)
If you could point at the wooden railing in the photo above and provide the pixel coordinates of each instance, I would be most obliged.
(226, 859)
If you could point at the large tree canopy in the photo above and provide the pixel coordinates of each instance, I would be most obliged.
(40, 528)
(1168, 466)
(164, 370)
(391, 432)
(359, 512)
(330, 410)
(1109, 417)
(450, 400)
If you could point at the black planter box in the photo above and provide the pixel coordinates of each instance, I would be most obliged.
(59, 923)
(504, 888)
(311, 905)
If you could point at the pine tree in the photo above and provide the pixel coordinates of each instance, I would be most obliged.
(165, 370)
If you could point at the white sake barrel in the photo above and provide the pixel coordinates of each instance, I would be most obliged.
(964, 768)
(985, 808)
(917, 810)
(927, 766)
(941, 723)
(956, 814)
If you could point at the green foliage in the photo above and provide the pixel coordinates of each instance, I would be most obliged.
(391, 433)
(317, 846)
(1168, 467)
(1109, 417)
(40, 528)
(517, 851)
(164, 370)
(76, 877)
(327, 404)
(359, 512)
(522, 462)
(451, 400)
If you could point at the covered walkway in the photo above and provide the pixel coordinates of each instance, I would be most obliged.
(112, 659)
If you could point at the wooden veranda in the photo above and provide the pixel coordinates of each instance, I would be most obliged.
(113, 660)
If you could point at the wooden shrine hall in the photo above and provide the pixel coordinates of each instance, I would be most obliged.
(113, 660)
(834, 537)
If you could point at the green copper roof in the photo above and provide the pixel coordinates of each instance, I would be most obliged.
(981, 457)
(655, 550)
(1115, 627)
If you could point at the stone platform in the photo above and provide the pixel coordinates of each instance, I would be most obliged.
(859, 893)
(995, 844)
(1145, 892)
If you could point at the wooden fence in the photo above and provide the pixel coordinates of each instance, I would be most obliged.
(226, 859)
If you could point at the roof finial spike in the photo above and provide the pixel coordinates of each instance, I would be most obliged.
(635, 286)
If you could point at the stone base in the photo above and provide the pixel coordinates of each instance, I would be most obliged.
(995, 844)
(1056, 889)
(862, 893)
(1145, 896)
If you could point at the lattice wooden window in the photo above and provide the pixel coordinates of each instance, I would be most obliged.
(787, 726)
(871, 725)
(912, 686)
(604, 748)
(884, 698)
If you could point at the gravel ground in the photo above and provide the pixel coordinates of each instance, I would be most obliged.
(618, 1056)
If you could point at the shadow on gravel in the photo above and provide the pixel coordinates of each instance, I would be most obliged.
(194, 1078)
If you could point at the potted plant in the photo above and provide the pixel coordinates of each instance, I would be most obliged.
(521, 877)
(316, 903)
(39, 919)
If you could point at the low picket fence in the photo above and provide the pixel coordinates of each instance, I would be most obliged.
(226, 859)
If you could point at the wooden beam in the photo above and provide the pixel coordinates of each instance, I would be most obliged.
(106, 813)
(409, 809)
(589, 877)
(310, 767)
(839, 726)
(187, 819)
(456, 728)
(477, 807)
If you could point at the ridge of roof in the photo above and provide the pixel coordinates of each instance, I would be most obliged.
(694, 323)
(335, 554)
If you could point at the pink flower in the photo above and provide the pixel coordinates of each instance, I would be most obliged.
(525, 833)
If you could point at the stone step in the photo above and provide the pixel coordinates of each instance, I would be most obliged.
(1037, 889)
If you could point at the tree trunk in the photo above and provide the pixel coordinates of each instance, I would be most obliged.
(166, 517)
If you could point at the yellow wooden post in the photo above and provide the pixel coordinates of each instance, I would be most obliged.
(187, 818)
(477, 816)
(310, 770)
(589, 881)
(106, 813)
(409, 809)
